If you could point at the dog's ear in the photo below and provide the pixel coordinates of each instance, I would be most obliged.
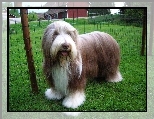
(47, 62)
(75, 32)
(75, 35)
(46, 45)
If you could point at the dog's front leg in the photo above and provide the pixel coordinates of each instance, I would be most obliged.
(52, 94)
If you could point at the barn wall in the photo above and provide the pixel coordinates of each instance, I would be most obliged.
(77, 13)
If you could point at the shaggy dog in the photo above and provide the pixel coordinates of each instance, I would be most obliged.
(70, 59)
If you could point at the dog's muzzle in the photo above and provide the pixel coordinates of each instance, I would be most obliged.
(65, 49)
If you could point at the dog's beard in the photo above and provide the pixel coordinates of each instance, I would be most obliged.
(63, 60)
(61, 77)
(60, 54)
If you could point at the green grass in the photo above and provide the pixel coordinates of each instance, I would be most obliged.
(128, 95)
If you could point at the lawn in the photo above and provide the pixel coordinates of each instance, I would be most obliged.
(128, 95)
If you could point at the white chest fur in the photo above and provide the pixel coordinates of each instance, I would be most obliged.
(61, 78)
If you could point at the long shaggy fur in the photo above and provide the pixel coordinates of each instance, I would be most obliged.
(70, 59)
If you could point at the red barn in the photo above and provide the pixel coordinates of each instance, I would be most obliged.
(75, 13)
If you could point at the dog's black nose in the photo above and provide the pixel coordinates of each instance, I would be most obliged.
(65, 46)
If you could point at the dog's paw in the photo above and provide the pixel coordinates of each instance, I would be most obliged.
(117, 78)
(74, 100)
(52, 94)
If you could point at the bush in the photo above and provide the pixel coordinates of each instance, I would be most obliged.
(77, 21)
(119, 19)
(32, 16)
(15, 12)
(105, 19)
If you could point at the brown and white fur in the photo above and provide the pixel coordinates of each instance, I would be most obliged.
(70, 59)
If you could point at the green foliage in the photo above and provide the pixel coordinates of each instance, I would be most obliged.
(32, 16)
(128, 95)
(14, 12)
(134, 13)
(77, 21)
(105, 19)
(121, 19)
(95, 12)
(134, 16)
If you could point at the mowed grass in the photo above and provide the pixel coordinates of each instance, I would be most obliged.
(128, 95)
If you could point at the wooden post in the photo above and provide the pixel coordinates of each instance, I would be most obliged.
(144, 32)
(28, 48)
(151, 29)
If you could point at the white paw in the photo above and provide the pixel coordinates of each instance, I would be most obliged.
(52, 94)
(117, 78)
(74, 100)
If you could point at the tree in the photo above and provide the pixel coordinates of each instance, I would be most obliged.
(95, 12)
(32, 16)
(122, 11)
(132, 16)
(134, 13)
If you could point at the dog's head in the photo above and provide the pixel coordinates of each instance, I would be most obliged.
(59, 41)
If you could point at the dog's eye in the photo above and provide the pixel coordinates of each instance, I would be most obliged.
(69, 33)
(55, 33)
